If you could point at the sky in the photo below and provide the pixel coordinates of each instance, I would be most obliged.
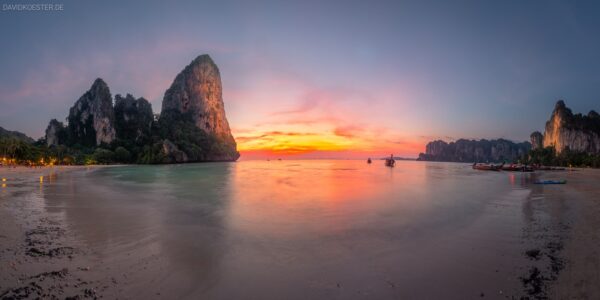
(316, 79)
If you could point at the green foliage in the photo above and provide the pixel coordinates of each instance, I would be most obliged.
(567, 158)
(151, 154)
(140, 140)
(19, 150)
(180, 129)
(122, 155)
(103, 156)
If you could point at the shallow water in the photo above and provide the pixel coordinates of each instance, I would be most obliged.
(300, 229)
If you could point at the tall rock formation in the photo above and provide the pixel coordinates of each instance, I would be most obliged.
(576, 132)
(537, 140)
(196, 93)
(56, 133)
(91, 119)
(133, 118)
(475, 151)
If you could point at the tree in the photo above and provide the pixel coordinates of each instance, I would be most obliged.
(122, 155)
(103, 156)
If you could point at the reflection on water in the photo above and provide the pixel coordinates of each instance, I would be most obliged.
(301, 229)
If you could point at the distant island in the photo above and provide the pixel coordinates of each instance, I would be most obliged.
(192, 126)
(464, 150)
(569, 140)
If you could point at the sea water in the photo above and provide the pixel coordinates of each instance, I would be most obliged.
(307, 229)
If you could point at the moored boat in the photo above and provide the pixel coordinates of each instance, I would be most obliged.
(546, 168)
(562, 181)
(517, 168)
(487, 167)
(390, 162)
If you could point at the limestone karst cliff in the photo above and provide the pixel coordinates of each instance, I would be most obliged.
(56, 133)
(192, 125)
(196, 95)
(91, 119)
(475, 151)
(576, 132)
(133, 118)
(537, 140)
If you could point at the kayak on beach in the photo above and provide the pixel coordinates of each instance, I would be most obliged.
(551, 181)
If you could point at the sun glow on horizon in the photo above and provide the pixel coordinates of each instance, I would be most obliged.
(339, 142)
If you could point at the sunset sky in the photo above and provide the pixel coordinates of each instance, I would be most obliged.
(316, 79)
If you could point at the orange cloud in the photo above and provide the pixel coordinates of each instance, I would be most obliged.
(348, 131)
(302, 119)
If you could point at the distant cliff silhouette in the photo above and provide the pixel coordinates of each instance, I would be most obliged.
(463, 150)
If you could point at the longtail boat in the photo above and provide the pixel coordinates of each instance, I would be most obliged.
(517, 168)
(390, 162)
(545, 168)
(487, 167)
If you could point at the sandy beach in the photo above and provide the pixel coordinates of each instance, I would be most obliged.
(117, 240)
(39, 256)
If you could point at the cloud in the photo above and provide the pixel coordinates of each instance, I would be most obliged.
(349, 131)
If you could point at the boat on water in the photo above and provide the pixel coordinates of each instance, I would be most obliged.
(369, 160)
(546, 168)
(487, 167)
(390, 162)
(517, 168)
(562, 181)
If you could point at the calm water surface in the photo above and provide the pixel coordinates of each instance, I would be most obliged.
(300, 229)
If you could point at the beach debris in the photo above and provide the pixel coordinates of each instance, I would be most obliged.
(60, 274)
(534, 282)
(54, 252)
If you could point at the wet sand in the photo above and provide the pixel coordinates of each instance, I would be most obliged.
(86, 233)
(39, 256)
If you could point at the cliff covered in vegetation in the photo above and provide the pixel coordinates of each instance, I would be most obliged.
(192, 126)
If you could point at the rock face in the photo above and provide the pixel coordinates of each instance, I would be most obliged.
(475, 151)
(575, 132)
(196, 93)
(172, 154)
(55, 133)
(133, 118)
(192, 126)
(91, 119)
(537, 140)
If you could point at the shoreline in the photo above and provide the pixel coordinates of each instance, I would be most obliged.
(43, 256)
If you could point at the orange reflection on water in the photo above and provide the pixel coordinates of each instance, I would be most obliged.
(290, 198)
